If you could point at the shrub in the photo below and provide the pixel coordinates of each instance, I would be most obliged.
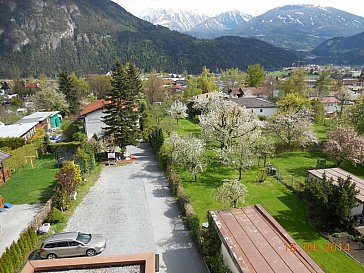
(61, 200)
(12, 142)
(69, 177)
(18, 160)
(262, 175)
(55, 216)
(79, 136)
(53, 147)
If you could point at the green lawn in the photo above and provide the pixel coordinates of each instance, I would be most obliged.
(27, 185)
(285, 206)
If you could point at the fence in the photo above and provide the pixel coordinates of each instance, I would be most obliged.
(293, 183)
(42, 214)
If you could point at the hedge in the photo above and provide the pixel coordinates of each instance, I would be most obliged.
(53, 147)
(12, 142)
(18, 160)
(15, 256)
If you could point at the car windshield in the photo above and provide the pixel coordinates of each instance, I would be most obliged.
(84, 238)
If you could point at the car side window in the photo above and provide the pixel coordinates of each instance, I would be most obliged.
(73, 243)
(49, 246)
(62, 244)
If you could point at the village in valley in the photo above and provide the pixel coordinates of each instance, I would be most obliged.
(232, 171)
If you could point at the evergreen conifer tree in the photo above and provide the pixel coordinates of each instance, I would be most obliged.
(122, 113)
(68, 88)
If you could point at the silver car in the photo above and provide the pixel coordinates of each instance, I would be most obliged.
(70, 244)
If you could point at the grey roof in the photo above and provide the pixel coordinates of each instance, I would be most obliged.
(37, 117)
(254, 103)
(4, 156)
(16, 130)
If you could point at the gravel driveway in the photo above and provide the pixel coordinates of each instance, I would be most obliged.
(132, 206)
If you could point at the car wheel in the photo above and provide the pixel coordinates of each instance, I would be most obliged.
(51, 256)
(91, 252)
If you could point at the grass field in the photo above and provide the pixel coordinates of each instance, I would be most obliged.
(28, 186)
(285, 206)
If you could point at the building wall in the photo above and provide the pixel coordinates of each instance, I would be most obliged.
(29, 134)
(264, 111)
(55, 121)
(228, 260)
(330, 107)
(94, 124)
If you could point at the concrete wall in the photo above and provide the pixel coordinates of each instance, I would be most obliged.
(94, 124)
(228, 260)
(264, 111)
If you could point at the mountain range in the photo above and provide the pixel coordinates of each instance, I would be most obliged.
(86, 36)
(298, 27)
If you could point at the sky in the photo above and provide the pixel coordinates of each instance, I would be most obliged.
(252, 7)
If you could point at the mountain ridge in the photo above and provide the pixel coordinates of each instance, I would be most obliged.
(47, 36)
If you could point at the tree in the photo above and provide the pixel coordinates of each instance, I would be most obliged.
(69, 177)
(264, 149)
(319, 111)
(332, 201)
(49, 98)
(188, 152)
(178, 110)
(231, 192)
(357, 115)
(293, 102)
(255, 75)
(323, 83)
(343, 96)
(294, 129)
(121, 114)
(295, 83)
(233, 77)
(345, 144)
(206, 81)
(100, 85)
(68, 88)
(153, 89)
(226, 121)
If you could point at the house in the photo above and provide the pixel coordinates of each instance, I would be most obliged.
(331, 104)
(257, 92)
(352, 84)
(335, 173)
(24, 130)
(236, 92)
(252, 241)
(31, 85)
(92, 115)
(46, 120)
(257, 106)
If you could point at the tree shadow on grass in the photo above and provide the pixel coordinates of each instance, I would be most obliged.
(47, 192)
(295, 219)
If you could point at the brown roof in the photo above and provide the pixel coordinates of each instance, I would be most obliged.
(256, 91)
(335, 173)
(236, 91)
(93, 106)
(32, 85)
(350, 81)
(326, 100)
(257, 243)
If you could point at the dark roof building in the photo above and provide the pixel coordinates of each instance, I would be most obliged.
(254, 242)
(250, 103)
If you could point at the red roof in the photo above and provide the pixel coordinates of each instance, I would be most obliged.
(32, 85)
(93, 106)
(326, 100)
(257, 243)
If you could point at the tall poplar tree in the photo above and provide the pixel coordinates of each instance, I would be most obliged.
(68, 88)
(122, 114)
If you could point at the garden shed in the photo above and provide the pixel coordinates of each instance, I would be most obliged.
(253, 241)
(334, 174)
(4, 174)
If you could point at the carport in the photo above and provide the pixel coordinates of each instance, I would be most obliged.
(3, 156)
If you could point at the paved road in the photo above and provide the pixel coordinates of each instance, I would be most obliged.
(132, 206)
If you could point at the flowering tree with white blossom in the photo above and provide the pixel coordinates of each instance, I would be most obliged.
(231, 192)
(226, 122)
(294, 128)
(178, 110)
(188, 152)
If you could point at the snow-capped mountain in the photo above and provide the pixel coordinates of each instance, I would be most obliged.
(301, 26)
(181, 21)
(217, 25)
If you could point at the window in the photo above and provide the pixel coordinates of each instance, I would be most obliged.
(73, 243)
(261, 110)
(62, 244)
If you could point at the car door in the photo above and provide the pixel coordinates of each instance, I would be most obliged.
(62, 249)
(75, 248)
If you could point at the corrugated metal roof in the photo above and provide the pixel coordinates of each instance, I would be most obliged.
(37, 117)
(4, 156)
(335, 173)
(257, 243)
(16, 130)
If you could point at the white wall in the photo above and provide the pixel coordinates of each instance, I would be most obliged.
(228, 260)
(357, 210)
(94, 124)
(264, 111)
